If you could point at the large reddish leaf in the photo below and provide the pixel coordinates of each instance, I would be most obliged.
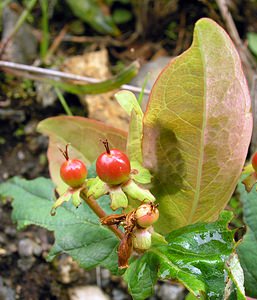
(84, 135)
(197, 129)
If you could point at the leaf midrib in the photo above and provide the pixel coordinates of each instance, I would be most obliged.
(204, 122)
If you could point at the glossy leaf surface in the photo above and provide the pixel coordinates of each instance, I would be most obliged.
(197, 129)
(84, 135)
(247, 250)
(77, 231)
(196, 256)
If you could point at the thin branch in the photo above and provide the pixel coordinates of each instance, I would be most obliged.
(64, 75)
(92, 203)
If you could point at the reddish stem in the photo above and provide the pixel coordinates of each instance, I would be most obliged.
(106, 145)
(65, 152)
(92, 203)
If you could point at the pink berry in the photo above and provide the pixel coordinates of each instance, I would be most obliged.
(146, 215)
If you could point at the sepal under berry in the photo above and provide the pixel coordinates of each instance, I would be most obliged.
(63, 198)
(250, 181)
(96, 188)
(76, 200)
(118, 198)
(157, 238)
(71, 193)
(134, 191)
(139, 173)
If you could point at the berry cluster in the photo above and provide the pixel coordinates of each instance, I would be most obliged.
(114, 177)
(138, 230)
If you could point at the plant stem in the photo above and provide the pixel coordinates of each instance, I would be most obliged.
(45, 30)
(18, 25)
(92, 203)
(63, 102)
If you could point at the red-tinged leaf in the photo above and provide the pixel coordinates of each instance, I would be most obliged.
(197, 129)
(84, 136)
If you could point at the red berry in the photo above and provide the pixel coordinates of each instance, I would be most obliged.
(73, 171)
(254, 161)
(146, 214)
(113, 166)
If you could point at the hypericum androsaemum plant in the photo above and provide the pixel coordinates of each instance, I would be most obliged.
(185, 154)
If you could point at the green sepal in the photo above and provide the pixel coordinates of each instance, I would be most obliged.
(248, 169)
(63, 198)
(118, 198)
(134, 191)
(158, 239)
(139, 173)
(96, 188)
(250, 181)
(76, 200)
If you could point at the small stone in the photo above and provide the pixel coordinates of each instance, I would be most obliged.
(118, 294)
(37, 250)
(6, 293)
(23, 46)
(2, 253)
(171, 292)
(11, 248)
(87, 292)
(20, 155)
(25, 248)
(26, 263)
(10, 231)
(105, 277)
(68, 269)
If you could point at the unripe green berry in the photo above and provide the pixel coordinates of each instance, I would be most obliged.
(142, 239)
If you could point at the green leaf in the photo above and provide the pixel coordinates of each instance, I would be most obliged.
(84, 136)
(107, 85)
(195, 255)
(247, 252)
(237, 275)
(129, 103)
(247, 249)
(121, 16)
(197, 129)
(252, 42)
(142, 275)
(91, 12)
(77, 231)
